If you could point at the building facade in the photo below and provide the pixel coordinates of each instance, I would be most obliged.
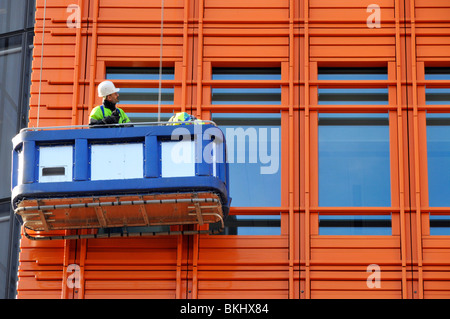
(337, 117)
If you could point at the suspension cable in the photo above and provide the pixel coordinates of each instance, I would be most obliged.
(42, 63)
(160, 60)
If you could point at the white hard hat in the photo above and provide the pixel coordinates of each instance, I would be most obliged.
(106, 88)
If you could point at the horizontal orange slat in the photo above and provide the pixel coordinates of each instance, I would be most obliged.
(436, 294)
(354, 275)
(437, 285)
(43, 122)
(220, 30)
(52, 40)
(53, 63)
(39, 294)
(128, 255)
(51, 74)
(50, 114)
(48, 275)
(136, 51)
(143, 14)
(349, 14)
(239, 268)
(436, 242)
(104, 30)
(138, 4)
(430, 14)
(245, 51)
(52, 11)
(42, 256)
(144, 260)
(55, 50)
(436, 256)
(354, 285)
(348, 3)
(244, 294)
(47, 244)
(237, 4)
(239, 242)
(428, 4)
(130, 284)
(130, 294)
(61, 100)
(129, 275)
(51, 88)
(368, 242)
(236, 256)
(242, 275)
(235, 41)
(141, 40)
(351, 41)
(436, 275)
(27, 283)
(355, 256)
(352, 51)
(359, 294)
(251, 15)
(438, 41)
(433, 51)
(242, 285)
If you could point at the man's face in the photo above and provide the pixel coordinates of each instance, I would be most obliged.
(113, 98)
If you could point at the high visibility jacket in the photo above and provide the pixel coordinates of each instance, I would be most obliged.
(100, 112)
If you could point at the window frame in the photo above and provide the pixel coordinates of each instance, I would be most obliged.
(209, 108)
(143, 83)
(392, 153)
(258, 212)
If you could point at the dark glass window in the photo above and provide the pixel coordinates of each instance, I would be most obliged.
(352, 96)
(254, 157)
(355, 225)
(438, 152)
(354, 160)
(16, 15)
(252, 225)
(142, 95)
(436, 96)
(15, 61)
(149, 117)
(437, 73)
(246, 95)
(439, 225)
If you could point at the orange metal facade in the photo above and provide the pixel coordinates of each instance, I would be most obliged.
(298, 36)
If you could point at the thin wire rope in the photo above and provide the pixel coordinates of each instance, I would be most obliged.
(42, 64)
(160, 60)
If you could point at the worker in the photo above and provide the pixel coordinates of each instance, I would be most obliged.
(185, 118)
(108, 113)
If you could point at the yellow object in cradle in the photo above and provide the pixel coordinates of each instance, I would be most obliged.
(183, 118)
